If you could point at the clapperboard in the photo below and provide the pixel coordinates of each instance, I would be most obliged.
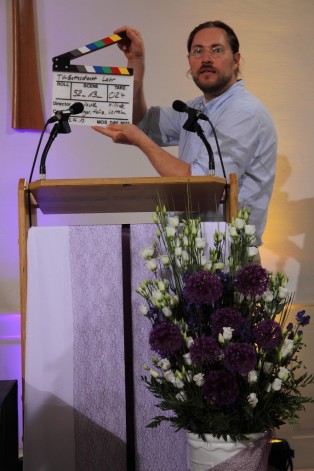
(106, 92)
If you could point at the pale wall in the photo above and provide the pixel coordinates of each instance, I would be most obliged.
(276, 38)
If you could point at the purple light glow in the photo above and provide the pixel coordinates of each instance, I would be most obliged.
(10, 356)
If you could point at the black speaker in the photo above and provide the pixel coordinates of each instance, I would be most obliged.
(9, 441)
(281, 455)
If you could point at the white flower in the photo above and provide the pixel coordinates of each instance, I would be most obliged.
(282, 292)
(249, 229)
(268, 389)
(185, 256)
(167, 311)
(233, 232)
(162, 285)
(185, 241)
(268, 296)
(252, 399)
(164, 260)
(189, 341)
(152, 264)
(252, 377)
(199, 379)
(200, 243)
(178, 251)
(173, 221)
(170, 232)
(143, 309)
(187, 358)
(227, 333)
(283, 373)
(239, 223)
(208, 266)
(147, 253)
(252, 251)
(178, 383)
(276, 386)
(153, 373)
(287, 347)
(203, 261)
(164, 364)
(181, 396)
(157, 296)
(169, 376)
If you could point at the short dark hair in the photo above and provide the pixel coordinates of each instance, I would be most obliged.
(232, 38)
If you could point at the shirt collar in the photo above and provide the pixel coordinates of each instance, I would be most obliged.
(216, 101)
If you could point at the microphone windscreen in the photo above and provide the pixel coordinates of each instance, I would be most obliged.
(179, 105)
(76, 108)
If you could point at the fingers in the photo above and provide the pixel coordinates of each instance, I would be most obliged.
(109, 130)
(130, 32)
(133, 42)
(114, 131)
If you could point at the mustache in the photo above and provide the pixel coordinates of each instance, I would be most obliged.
(207, 68)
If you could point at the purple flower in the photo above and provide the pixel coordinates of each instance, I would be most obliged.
(226, 317)
(202, 288)
(252, 280)
(240, 358)
(165, 339)
(221, 388)
(205, 351)
(302, 319)
(267, 334)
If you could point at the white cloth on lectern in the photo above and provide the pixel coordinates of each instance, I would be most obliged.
(49, 351)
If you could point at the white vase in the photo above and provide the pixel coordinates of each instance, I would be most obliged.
(220, 455)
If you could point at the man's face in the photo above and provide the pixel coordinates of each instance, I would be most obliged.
(213, 75)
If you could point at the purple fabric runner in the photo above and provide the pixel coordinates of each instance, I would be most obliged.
(252, 458)
(98, 361)
(161, 448)
(98, 357)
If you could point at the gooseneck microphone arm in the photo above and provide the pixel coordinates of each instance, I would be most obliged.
(192, 125)
(211, 161)
(62, 127)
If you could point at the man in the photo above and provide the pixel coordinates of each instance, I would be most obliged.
(244, 128)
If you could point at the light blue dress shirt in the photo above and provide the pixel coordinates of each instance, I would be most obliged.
(247, 140)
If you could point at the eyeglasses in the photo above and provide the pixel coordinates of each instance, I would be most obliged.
(215, 51)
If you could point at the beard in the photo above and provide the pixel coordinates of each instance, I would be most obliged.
(214, 89)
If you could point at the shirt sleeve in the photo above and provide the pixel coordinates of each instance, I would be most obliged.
(249, 149)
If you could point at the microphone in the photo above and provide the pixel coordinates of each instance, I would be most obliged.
(61, 127)
(75, 108)
(192, 125)
(180, 106)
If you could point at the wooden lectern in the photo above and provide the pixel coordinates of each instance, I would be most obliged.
(118, 195)
(115, 195)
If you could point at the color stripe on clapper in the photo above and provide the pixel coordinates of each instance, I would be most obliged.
(62, 62)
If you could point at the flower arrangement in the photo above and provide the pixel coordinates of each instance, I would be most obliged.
(226, 360)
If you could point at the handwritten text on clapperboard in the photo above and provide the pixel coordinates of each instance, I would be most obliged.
(107, 98)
